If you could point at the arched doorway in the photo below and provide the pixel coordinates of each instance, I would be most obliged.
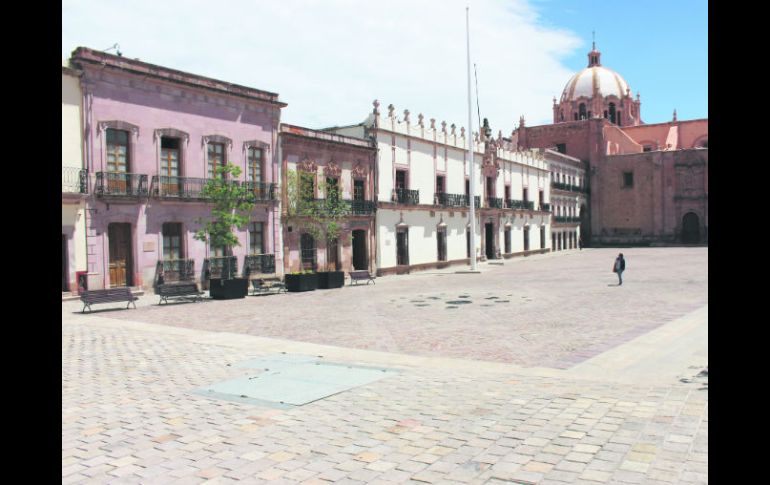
(690, 228)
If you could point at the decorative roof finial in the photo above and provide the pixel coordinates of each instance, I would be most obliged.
(376, 107)
(406, 115)
(593, 35)
(391, 108)
(419, 119)
(674, 114)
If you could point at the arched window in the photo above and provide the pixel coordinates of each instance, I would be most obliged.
(612, 113)
(582, 111)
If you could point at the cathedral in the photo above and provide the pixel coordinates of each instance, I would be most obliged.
(647, 183)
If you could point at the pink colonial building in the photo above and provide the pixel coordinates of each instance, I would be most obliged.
(152, 136)
(350, 165)
(647, 183)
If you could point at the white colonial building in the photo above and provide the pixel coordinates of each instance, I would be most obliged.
(422, 185)
(568, 199)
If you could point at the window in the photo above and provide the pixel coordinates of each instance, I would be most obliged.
(439, 184)
(216, 158)
(255, 164)
(332, 188)
(256, 238)
(525, 195)
(219, 251)
(526, 238)
(467, 187)
(628, 179)
(400, 179)
(117, 151)
(582, 111)
(613, 117)
(172, 240)
(561, 148)
(647, 148)
(358, 190)
(307, 185)
(542, 198)
(307, 250)
(441, 238)
(490, 187)
(169, 157)
(507, 193)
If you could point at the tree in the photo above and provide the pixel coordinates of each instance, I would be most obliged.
(321, 218)
(231, 206)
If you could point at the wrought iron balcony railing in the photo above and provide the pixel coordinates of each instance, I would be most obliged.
(259, 263)
(494, 202)
(546, 207)
(260, 191)
(74, 180)
(566, 219)
(224, 267)
(568, 187)
(177, 187)
(121, 184)
(172, 270)
(455, 200)
(560, 186)
(362, 207)
(406, 196)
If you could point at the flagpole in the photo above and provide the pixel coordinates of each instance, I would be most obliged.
(469, 140)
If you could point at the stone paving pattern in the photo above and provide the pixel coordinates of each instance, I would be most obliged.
(557, 310)
(128, 414)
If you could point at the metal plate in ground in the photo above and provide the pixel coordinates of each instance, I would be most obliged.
(296, 383)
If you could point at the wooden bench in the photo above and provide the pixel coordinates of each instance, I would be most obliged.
(360, 276)
(91, 297)
(179, 290)
(266, 286)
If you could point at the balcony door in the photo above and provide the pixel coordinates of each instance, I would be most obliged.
(117, 162)
(169, 166)
(120, 266)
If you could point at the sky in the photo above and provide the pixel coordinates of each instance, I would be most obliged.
(330, 59)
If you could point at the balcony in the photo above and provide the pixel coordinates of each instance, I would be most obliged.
(455, 200)
(74, 180)
(121, 184)
(362, 207)
(568, 187)
(259, 264)
(494, 203)
(545, 207)
(566, 219)
(260, 191)
(187, 188)
(406, 196)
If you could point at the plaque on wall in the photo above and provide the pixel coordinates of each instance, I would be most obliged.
(148, 246)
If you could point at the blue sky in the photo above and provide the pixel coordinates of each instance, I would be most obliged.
(329, 59)
(659, 47)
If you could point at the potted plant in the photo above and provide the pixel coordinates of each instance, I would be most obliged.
(301, 281)
(320, 218)
(230, 210)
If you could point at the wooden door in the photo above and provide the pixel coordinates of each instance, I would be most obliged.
(120, 254)
(359, 250)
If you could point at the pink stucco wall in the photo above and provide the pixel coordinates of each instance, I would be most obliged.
(150, 104)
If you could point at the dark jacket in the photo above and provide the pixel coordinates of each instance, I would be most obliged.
(622, 264)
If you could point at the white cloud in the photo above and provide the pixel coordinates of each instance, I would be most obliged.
(330, 59)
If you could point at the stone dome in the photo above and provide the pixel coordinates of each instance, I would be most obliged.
(595, 80)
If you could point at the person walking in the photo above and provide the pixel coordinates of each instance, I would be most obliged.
(619, 267)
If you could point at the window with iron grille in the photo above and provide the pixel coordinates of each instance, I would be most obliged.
(308, 252)
(255, 238)
(172, 241)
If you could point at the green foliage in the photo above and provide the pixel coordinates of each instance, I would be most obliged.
(321, 218)
(231, 207)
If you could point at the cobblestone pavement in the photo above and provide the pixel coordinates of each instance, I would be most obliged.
(129, 415)
(550, 310)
